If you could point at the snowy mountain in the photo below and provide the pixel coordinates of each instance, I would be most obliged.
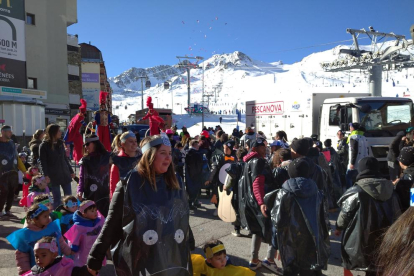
(234, 78)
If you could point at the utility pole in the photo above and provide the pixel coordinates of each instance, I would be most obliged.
(142, 89)
(188, 66)
(374, 60)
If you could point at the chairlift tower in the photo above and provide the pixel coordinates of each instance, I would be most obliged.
(376, 59)
(184, 62)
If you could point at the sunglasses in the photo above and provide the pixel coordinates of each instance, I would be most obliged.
(87, 145)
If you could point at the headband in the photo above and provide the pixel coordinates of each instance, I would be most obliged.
(162, 140)
(38, 211)
(46, 201)
(71, 204)
(211, 251)
(90, 139)
(85, 206)
(52, 246)
(128, 135)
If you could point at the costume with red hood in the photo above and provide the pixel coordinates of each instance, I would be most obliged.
(73, 135)
(155, 121)
(103, 122)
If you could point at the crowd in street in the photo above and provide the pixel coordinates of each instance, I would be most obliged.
(133, 203)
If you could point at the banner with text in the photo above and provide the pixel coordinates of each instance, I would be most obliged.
(270, 108)
(12, 44)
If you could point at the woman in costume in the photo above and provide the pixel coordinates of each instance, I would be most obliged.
(148, 219)
(73, 135)
(94, 174)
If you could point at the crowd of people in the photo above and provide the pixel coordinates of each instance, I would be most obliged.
(132, 204)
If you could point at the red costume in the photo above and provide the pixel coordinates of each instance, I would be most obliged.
(73, 135)
(155, 121)
(103, 122)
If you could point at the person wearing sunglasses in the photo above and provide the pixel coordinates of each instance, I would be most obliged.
(94, 173)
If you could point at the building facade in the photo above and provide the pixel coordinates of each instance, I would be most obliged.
(94, 78)
(34, 69)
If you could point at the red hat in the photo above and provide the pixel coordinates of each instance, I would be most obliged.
(82, 108)
(102, 97)
(149, 102)
(205, 133)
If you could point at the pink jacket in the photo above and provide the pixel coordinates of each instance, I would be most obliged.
(23, 259)
(64, 268)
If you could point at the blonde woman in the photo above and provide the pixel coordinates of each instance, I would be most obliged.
(148, 219)
(127, 157)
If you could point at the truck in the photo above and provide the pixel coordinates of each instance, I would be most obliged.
(324, 114)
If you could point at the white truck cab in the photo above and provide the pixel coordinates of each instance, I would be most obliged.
(301, 115)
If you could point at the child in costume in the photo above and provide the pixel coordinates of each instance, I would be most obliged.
(39, 186)
(39, 225)
(81, 236)
(216, 263)
(48, 263)
(67, 209)
(27, 180)
(45, 200)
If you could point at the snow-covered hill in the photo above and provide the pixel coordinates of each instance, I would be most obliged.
(232, 79)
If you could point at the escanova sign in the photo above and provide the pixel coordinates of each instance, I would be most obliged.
(270, 108)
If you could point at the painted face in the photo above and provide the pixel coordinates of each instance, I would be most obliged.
(218, 261)
(44, 257)
(42, 220)
(163, 159)
(91, 214)
(35, 171)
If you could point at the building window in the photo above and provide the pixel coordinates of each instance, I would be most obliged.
(73, 78)
(30, 19)
(32, 83)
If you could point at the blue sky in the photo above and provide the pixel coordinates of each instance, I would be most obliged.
(145, 33)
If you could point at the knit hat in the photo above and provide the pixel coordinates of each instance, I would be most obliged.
(406, 156)
(368, 167)
(300, 146)
(230, 144)
(299, 168)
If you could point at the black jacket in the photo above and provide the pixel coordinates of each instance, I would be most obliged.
(403, 187)
(149, 228)
(249, 209)
(34, 148)
(367, 210)
(343, 151)
(298, 215)
(193, 163)
(394, 147)
(55, 164)
(280, 175)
